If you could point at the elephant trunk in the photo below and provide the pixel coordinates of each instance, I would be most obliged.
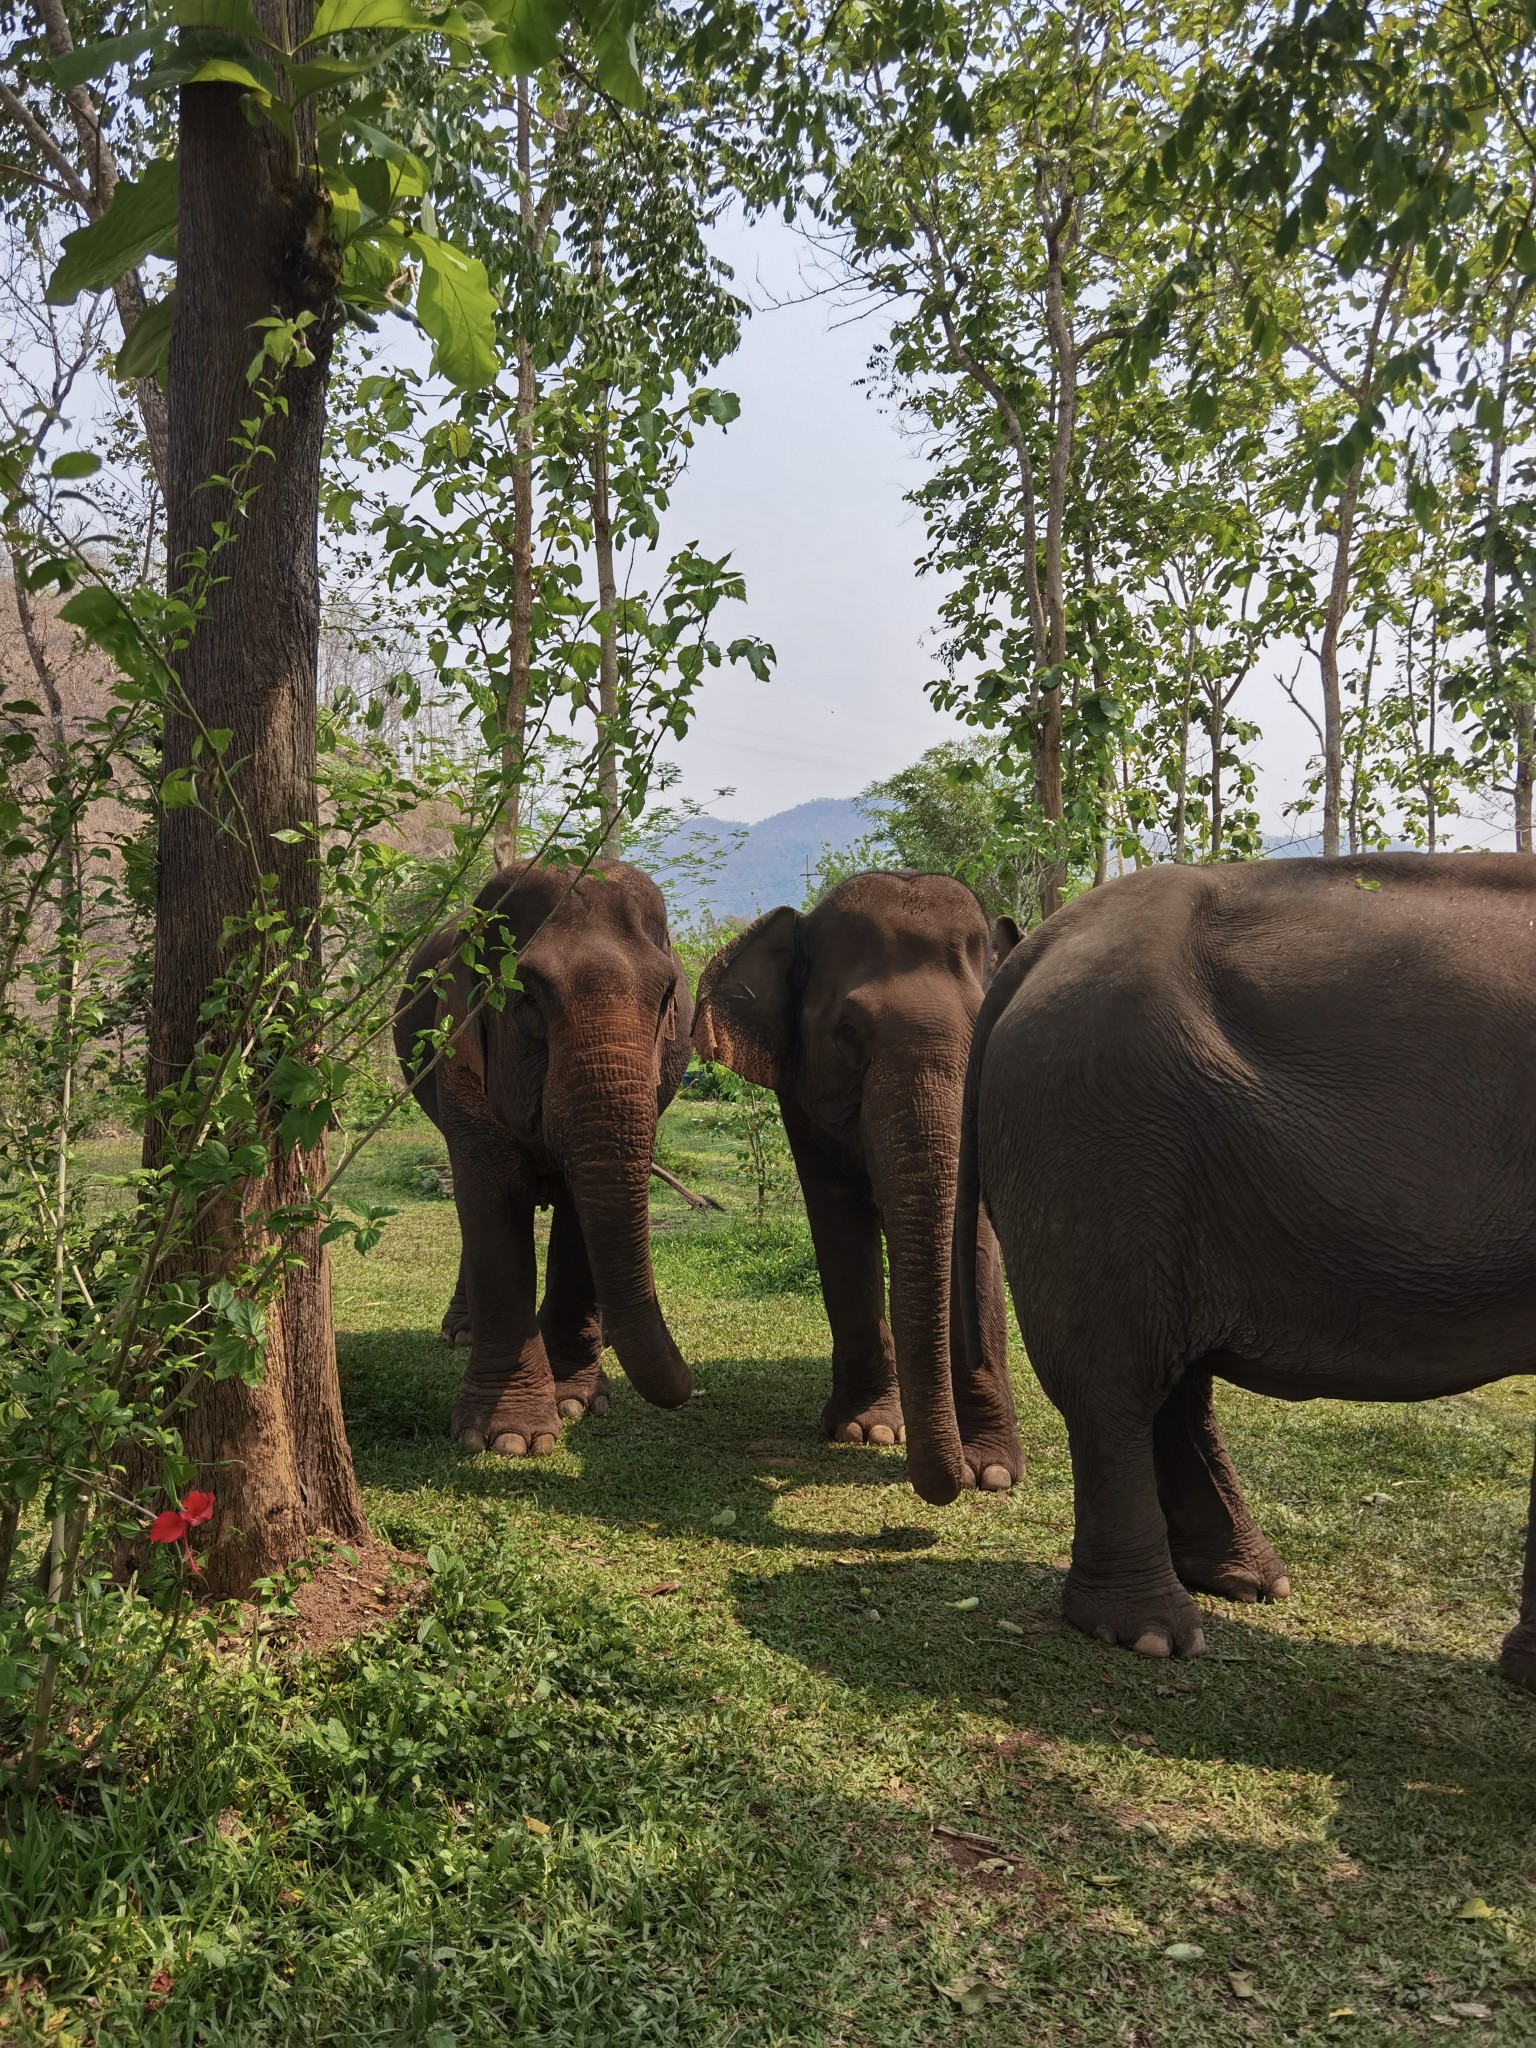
(600, 1122)
(911, 1124)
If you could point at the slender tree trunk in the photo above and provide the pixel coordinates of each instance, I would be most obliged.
(1357, 777)
(608, 644)
(1525, 755)
(1048, 780)
(1217, 732)
(1328, 664)
(251, 241)
(99, 165)
(514, 718)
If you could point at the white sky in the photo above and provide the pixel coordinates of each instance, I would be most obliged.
(806, 491)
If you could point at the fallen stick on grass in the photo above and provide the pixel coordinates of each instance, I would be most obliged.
(694, 1201)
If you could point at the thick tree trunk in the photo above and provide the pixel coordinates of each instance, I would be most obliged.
(251, 243)
(514, 717)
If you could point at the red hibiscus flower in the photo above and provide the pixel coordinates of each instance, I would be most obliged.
(172, 1525)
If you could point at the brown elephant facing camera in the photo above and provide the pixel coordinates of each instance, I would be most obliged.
(858, 1015)
(552, 1101)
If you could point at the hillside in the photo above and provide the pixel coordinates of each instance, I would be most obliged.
(769, 866)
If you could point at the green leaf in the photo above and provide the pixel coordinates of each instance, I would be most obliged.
(226, 71)
(234, 16)
(307, 79)
(178, 792)
(139, 222)
(454, 305)
(342, 17)
(78, 462)
(611, 26)
(530, 35)
(144, 353)
(95, 60)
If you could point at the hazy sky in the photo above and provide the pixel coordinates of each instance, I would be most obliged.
(806, 490)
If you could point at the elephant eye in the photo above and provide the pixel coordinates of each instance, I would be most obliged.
(847, 1041)
(666, 1021)
(530, 1016)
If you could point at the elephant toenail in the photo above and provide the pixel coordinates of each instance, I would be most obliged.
(1281, 1588)
(599, 1404)
(1105, 1634)
(850, 1433)
(472, 1441)
(1195, 1647)
(967, 1476)
(543, 1444)
(901, 1432)
(464, 1337)
(510, 1445)
(572, 1409)
(1152, 1642)
(877, 1433)
(996, 1478)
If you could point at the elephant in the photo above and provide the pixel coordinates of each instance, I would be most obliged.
(858, 1015)
(552, 1100)
(1271, 1123)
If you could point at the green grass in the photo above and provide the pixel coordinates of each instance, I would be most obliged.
(741, 1778)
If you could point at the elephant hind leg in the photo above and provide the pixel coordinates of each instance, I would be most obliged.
(1122, 1588)
(1217, 1546)
(1518, 1658)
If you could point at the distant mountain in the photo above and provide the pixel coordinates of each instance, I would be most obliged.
(769, 865)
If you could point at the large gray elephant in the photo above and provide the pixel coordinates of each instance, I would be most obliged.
(858, 1014)
(552, 1101)
(1275, 1123)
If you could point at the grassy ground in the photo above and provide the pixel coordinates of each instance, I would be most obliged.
(700, 1738)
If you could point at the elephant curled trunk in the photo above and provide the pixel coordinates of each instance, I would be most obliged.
(911, 1134)
(600, 1122)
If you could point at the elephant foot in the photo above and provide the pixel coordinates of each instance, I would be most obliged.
(516, 1426)
(456, 1328)
(1517, 1659)
(847, 1420)
(1248, 1571)
(1155, 1620)
(586, 1393)
(992, 1464)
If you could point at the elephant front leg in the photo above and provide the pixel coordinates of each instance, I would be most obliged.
(456, 1328)
(1518, 1657)
(1217, 1546)
(506, 1404)
(865, 1403)
(984, 1410)
(570, 1320)
(1121, 1588)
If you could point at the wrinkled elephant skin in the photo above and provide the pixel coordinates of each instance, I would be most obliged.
(858, 1014)
(1272, 1123)
(547, 1094)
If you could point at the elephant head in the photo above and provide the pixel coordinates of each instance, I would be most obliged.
(575, 1066)
(859, 1013)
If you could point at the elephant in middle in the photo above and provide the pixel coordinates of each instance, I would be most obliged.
(858, 1014)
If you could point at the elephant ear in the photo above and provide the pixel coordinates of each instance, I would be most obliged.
(742, 1016)
(1005, 936)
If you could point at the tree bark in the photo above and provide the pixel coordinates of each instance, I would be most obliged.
(1217, 731)
(1328, 664)
(514, 717)
(252, 241)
